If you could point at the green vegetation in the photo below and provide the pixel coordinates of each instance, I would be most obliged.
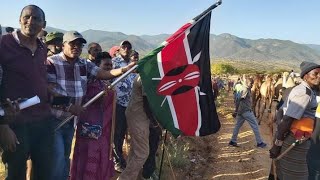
(251, 67)
(223, 68)
(2, 171)
(221, 98)
(177, 152)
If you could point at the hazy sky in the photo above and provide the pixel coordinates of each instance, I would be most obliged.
(253, 19)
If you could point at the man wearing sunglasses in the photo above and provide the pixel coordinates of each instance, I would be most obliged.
(67, 77)
(123, 90)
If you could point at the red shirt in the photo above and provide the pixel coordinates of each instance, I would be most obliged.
(24, 76)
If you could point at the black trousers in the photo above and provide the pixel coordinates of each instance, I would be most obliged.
(150, 165)
(313, 162)
(36, 141)
(119, 134)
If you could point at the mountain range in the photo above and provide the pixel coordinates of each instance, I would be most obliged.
(224, 47)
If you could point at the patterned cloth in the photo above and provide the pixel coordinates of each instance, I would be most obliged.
(124, 87)
(91, 157)
(300, 103)
(70, 79)
(293, 165)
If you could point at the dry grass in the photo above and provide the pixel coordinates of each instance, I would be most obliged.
(2, 171)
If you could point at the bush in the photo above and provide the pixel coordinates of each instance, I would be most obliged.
(177, 151)
(223, 68)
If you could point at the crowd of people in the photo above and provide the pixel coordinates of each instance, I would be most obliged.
(295, 147)
(49, 65)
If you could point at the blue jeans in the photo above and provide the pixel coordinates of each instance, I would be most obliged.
(36, 139)
(62, 148)
(249, 116)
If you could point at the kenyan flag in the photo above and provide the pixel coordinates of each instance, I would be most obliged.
(176, 78)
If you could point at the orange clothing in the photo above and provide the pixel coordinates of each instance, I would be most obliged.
(302, 127)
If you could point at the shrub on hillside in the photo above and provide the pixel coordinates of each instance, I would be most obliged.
(222, 68)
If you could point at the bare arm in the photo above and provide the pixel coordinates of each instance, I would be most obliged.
(102, 74)
(11, 110)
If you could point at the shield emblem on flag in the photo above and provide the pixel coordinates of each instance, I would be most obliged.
(177, 80)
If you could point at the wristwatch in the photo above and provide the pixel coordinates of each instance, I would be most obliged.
(278, 142)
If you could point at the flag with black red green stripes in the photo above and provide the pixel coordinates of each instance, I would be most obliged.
(177, 81)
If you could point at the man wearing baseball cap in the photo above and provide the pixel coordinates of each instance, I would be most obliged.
(9, 30)
(114, 51)
(123, 92)
(53, 41)
(67, 77)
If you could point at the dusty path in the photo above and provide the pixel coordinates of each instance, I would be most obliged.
(214, 159)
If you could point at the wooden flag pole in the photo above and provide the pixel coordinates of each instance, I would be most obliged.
(170, 165)
(163, 151)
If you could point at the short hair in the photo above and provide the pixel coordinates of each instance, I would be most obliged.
(36, 7)
(9, 29)
(91, 45)
(125, 42)
(101, 56)
(133, 52)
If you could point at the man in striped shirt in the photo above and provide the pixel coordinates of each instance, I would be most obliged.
(67, 77)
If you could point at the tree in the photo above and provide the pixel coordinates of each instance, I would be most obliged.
(222, 68)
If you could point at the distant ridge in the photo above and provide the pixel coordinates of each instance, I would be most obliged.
(223, 47)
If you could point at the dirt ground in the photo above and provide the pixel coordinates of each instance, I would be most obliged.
(210, 157)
